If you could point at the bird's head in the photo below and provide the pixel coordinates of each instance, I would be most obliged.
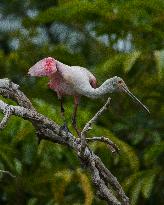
(119, 85)
(44, 67)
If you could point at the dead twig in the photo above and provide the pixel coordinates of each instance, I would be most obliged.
(88, 125)
(112, 146)
(7, 172)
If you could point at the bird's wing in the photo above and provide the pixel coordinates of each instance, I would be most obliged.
(64, 71)
(92, 78)
(93, 82)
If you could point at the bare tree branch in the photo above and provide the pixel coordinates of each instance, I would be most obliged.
(88, 125)
(107, 186)
(103, 191)
(7, 114)
(7, 172)
(112, 146)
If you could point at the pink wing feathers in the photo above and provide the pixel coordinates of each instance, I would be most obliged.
(44, 67)
(92, 79)
(93, 82)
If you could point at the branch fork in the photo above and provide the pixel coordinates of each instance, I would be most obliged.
(8, 110)
(107, 186)
(88, 126)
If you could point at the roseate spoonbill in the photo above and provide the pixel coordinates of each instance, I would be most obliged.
(76, 81)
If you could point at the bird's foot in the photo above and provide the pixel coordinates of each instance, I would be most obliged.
(64, 128)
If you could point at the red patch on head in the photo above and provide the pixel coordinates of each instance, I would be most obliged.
(49, 64)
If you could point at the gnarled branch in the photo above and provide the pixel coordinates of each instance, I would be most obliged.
(108, 188)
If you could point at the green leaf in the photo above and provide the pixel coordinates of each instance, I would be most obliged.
(148, 183)
(86, 187)
(141, 181)
(159, 57)
(32, 201)
(130, 60)
(135, 191)
(152, 153)
(7, 159)
(61, 181)
(111, 66)
(18, 166)
(129, 181)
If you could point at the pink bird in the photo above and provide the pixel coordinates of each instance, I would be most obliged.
(76, 81)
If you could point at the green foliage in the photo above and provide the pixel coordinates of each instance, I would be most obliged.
(159, 55)
(123, 38)
(127, 153)
(140, 183)
(153, 153)
(130, 60)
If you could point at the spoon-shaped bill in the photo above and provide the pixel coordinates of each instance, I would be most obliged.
(135, 98)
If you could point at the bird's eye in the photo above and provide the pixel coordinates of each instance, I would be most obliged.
(120, 81)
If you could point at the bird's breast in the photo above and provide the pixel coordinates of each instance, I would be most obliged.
(62, 86)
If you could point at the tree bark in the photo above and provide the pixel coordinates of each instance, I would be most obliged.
(107, 185)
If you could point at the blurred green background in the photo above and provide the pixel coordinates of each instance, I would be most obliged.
(123, 38)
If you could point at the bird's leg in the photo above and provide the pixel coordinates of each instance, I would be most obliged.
(74, 122)
(64, 127)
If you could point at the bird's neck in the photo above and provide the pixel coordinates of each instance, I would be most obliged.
(106, 87)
